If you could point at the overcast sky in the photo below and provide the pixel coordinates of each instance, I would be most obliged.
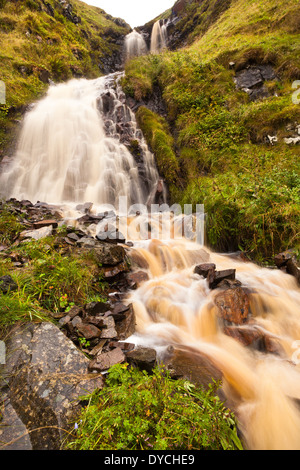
(134, 12)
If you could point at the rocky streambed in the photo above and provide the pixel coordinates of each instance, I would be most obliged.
(49, 366)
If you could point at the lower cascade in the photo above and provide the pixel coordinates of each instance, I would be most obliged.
(75, 148)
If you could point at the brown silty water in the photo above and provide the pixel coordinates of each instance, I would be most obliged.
(175, 306)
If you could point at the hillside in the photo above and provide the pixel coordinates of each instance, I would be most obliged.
(52, 40)
(229, 136)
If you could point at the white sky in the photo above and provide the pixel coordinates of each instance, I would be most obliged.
(134, 12)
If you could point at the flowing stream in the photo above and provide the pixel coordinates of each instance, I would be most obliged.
(74, 148)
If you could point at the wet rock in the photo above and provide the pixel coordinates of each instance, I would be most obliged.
(247, 336)
(126, 326)
(111, 236)
(104, 361)
(136, 279)
(204, 269)
(214, 278)
(191, 365)
(86, 207)
(287, 261)
(7, 284)
(232, 305)
(142, 358)
(251, 336)
(44, 377)
(88, 219)
(293, 268)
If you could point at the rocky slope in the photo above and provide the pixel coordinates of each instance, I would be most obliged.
(53, 40)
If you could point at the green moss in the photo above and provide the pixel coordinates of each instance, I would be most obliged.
(157, 133)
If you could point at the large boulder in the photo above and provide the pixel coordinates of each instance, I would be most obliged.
(233, 305)
(43, 379)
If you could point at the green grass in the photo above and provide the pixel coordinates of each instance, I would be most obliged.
(137, 411)
(33, 43)
(249, 187)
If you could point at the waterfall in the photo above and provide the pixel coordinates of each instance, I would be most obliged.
(159, 36)
(74, 148)
(135, 45)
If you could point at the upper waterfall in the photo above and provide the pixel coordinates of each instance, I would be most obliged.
(74, 148)
(135, 45)
(159, 36)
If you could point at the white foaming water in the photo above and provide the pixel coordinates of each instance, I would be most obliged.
(159, 37)
(135, 45)
(68, 154)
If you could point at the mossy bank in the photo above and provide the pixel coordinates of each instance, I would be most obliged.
(235, 137)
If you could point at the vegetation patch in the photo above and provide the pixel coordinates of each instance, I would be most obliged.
(138, 411)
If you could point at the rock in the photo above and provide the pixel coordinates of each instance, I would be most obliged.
(215, 277)
(287, 261)
(251, 80)
(191, 365)
(126, 326)
(232, 305)
(89, 219)
(114, 271)
(86, 207)
(109, 255)
(293, 268)
(136, 279)
(204, 269)
(88, 331)
(292, 140)
(126, 347)
(106, 360)
(86, 242)
(119, 311)
(37, 234)
(281, 259)
(142, 358)
(94, 308)
(44, 377)
(45, 223)
(7, 284)
(111, 236)
(255, 338)
(247, 336)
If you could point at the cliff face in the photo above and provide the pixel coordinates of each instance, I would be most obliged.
(52, 40)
